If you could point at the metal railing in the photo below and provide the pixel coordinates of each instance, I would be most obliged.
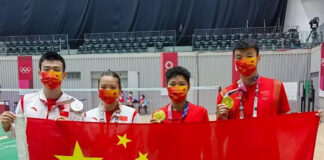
(251, 30)
(32, 44)
(268, 38)
(127, 41)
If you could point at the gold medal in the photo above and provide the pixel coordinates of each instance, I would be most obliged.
(228, 101)
(159, 115)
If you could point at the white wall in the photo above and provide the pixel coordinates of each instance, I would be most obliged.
(300, 12)
(315, 59)
(314, 71)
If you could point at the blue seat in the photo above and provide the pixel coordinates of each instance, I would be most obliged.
(120, 46)
(146, 39)
(159, 45)
(215, 37)
(131, 40)
(86, 41)
(116, 40)
(123, 40)
(139, 39)
(135, 46)
(205, 44)
(162, 39)
(224, 37)
(128, 46)
(143, 45)
(207, 37)
(101, 41)
(214, 45)
(94, 41)
(112, 46)
(199, 38)
(196, 45)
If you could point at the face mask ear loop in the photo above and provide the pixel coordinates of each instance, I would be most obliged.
(235, 67)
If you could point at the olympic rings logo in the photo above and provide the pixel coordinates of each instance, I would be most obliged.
(168, 65)
(25, 70)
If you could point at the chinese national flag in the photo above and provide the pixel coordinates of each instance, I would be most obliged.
(288, 137)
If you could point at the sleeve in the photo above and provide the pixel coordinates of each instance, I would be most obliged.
(283, 101)
(145, 103)
(206, 119)
(136, 118)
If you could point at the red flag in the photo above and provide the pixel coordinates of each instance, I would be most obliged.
(288, 137)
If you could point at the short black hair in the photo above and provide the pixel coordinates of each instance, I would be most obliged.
(110, 73)
(177, 71)
(51, 56)
(130, 92)
(246, 43)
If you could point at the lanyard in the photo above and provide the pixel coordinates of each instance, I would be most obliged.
(255, 104)
(184, 113)
(241, 89)
(114, 117)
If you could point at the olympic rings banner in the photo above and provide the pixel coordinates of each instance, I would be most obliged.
(168, 60)
(25, 72)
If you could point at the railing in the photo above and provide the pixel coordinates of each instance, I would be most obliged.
(119, 42)
(252, 30)
(32, 45)
(268, 38)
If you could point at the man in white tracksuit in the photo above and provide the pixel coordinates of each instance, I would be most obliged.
(50, 102)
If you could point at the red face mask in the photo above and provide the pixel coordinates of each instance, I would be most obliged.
(178, 93)
(109, 96)
(51, 79)
(246, 66)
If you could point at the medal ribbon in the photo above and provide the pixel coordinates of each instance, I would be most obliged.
(242, 89)
(184, 113)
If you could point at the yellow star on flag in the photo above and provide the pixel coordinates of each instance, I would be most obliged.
(142, 156)
(123, 140)
(77, 155)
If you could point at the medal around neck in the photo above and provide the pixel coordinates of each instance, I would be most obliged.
(159, 115)
(228, 101)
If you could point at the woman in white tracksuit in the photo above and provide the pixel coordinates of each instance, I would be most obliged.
(110, 110)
